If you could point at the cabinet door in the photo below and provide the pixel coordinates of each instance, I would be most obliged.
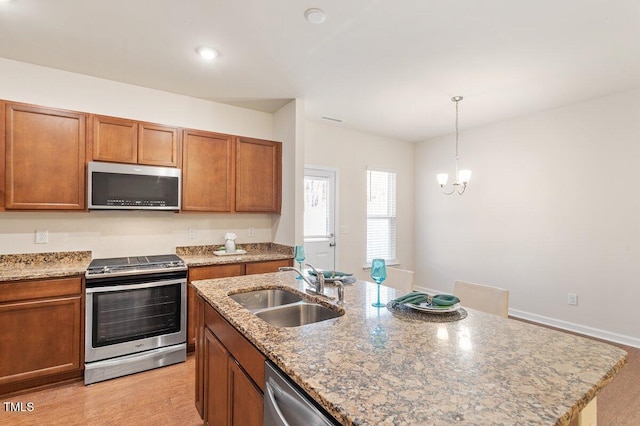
(204, 273)
(264, 267)
(45, 156)
(258, 175)
(216, 361)
(40, 339)
(207, 171)
(246, 401)
(158, 145)
(200, 345)
(115, 140)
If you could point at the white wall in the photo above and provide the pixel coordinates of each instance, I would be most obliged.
(289, 128)
(350, 152)
(126, 233)
(552, 209)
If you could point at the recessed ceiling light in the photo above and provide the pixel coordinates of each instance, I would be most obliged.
(207, 53)
(315, 16)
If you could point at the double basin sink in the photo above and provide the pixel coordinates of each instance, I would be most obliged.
(283, 308)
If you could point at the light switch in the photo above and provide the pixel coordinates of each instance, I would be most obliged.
(344, 229)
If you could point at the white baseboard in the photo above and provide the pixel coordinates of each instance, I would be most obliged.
(565, 325)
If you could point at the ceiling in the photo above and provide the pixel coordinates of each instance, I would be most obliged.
(383, 67)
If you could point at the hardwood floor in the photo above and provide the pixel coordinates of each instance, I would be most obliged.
(166, 397)
(619, 402)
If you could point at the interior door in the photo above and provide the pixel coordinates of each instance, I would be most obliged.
(319, 217)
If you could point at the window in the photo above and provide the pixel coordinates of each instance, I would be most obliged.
(317, 207)
(381, 216)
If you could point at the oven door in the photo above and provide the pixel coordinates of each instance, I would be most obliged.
(134, 317)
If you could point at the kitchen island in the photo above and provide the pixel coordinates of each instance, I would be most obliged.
(370, 366)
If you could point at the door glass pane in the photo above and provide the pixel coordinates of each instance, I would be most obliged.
(316, 206)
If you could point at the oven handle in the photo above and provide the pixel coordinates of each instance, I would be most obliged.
(135, 286)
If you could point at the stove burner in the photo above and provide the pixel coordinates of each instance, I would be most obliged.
(135, 265)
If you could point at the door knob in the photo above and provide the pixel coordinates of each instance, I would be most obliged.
(332, 244)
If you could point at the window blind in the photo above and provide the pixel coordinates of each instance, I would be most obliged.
(381, 215)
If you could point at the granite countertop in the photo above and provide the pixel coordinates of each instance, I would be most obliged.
(370, 367)
(260, 252)
(27, 266)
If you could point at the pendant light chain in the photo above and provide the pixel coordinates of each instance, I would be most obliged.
(457, 99)
(461, 178)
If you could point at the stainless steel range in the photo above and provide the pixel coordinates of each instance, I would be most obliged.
(135, 315)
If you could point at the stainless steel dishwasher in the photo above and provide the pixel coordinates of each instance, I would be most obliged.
(286, 405)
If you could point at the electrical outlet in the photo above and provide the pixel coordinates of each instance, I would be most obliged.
(192, 233)
(572, 299)
(42, 236)
(251, 232)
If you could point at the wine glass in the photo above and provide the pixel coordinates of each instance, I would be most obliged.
(298, 254)
(378, 274)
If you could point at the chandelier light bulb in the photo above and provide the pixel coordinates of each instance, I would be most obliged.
(464, 176)
(442, 178)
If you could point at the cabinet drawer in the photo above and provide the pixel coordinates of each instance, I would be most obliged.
(23, 290)
(250, 358)
(217, 271)
(264, 267)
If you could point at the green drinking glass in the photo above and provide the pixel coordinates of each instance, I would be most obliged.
(378, 274)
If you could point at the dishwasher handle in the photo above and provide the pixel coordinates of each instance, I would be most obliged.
(272, 407)
(284, 405)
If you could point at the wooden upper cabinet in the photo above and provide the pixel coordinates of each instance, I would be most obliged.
(207, 171)
(127, 141)
(44, 158)
(258, 175)
(115, 140)
(158, 145)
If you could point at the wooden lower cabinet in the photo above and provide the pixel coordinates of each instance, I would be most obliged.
(229, 372)
(216, 371)
(265, 267)
(41, 330)
(245, 399)
(204, 273)
(221, 271)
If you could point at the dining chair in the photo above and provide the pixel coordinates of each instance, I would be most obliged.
(400, 279)
(493, 300)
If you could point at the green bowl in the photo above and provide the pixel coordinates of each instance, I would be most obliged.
(444, 300)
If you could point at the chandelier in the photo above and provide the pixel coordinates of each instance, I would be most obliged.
(462, 176)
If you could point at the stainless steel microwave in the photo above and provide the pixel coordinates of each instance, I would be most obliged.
(112, 186)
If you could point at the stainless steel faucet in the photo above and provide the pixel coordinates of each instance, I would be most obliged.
(319, 279)
(317, 288)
